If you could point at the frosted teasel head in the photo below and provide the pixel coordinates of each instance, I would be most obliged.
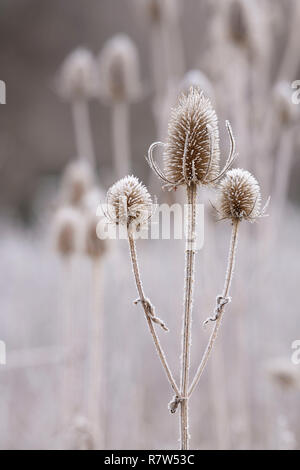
(78, 178)
(119, 72)
(76, 78)
(192, 151)
(287, 110)
(239, 197)
(129, 203)
(67, 230)
(197, 79)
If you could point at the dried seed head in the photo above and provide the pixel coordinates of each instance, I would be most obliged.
(238, 22)
(77, 75)
(287, 110)
(77, 180)
(129, 203)
(67, 229)
(192, 150)
(95, 247)
(158, 11)
(119, 72)
(284, 373)
(239, 196)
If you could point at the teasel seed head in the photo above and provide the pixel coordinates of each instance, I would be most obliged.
(192, 153)
(158, 11)
(288, 111)
(239, 196)
(119, 72)
(129, 203)
(197, 79)
(77, 76)
(77, 180)
(95, 247)
(67, 230)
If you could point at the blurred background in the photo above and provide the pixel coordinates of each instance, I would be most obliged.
(89, 86)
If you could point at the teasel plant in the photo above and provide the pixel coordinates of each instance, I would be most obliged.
(119, 86)
(191, 159)
(76, 84)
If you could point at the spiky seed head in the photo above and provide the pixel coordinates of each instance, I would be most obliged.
(192, 151)
(239, 196)
(95, 247)
(77, 78)
(288, 112)
(129, 203)
(119, 72)
(67, 229)
(77, 180)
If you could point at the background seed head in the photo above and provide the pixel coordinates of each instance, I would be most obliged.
(193, 119)
(76, 79)
(95, 247)
(77, 180)
(67, 230)
(119, 73)
(288, 112)
(129, 202)
(239, 196)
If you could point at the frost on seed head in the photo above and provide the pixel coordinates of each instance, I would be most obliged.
(192, 150)
(119, 74)
(129, 203)
(239, 196)
(76, 78)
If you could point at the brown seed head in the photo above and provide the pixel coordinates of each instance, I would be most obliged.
(239, 196)
(67, 227)
(192, 150)
(77, 180)
(95, 247)
(129, 202)
(119, 72)
(77, 75)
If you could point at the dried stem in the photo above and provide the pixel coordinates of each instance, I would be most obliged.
(214, 334)
(187, 319)
(145, 304)
(121, 139)
(83, 133)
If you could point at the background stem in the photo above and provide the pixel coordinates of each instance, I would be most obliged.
(83, 133)
(228, 279)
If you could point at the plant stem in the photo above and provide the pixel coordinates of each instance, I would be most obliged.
(83, 133)
(121, 138)
(142, 297)
(187, 319)
(214, 334)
